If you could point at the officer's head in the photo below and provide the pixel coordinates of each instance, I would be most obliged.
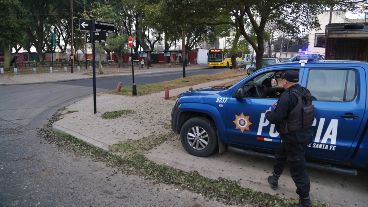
(290, 78)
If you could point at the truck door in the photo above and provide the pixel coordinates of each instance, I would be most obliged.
(246, 124)
(339, 101)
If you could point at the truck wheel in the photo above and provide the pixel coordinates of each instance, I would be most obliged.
(198, 137)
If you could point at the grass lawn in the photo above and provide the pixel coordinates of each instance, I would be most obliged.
(182, 82)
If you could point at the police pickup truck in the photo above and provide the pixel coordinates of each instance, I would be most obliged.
(211, 119)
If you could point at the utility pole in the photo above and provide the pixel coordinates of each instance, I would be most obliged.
(93, 28)
(183, 52)
(85, 45)
(130, 45)
(72, 36)
(53, 46)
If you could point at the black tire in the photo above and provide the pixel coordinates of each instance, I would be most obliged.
(195, 145)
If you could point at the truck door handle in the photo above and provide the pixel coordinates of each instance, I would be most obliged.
(349, 116)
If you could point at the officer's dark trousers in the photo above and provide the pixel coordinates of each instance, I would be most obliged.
(294, 154)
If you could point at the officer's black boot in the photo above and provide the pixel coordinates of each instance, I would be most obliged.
(273, 180)
(303, 202)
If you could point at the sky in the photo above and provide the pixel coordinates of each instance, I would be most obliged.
(351, 15)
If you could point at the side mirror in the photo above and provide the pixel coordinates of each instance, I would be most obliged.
(239, 93)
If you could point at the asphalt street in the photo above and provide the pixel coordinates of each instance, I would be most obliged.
(35, 173)
(110, 82)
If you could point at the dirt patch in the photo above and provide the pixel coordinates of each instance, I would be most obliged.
(251, 172)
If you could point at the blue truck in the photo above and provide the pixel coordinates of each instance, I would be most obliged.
(210, 120)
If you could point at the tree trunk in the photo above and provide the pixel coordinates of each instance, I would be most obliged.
(287, 46)
(17, 49)
(100, 71)
(270, 45)
(259, 61)
(143, 44)
(6, 50)
(120, 58)
(39, 44)
(39, 47)
(167, 48)
(183, 53)
(260, 50)
(39, 53)
(234, 49)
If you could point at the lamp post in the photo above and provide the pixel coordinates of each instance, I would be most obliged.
(72, 37)
(53, 46)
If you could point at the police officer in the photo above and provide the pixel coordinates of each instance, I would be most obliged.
(293, 115)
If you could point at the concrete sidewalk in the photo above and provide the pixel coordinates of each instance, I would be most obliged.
(59, 75)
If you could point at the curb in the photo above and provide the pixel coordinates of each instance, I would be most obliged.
(81, 137)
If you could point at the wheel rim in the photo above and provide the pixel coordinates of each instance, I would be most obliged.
(197, 138)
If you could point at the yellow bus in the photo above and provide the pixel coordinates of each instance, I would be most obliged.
(217, 58)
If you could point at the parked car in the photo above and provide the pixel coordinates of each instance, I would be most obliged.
(270, 61)
(240, 63)
(307, 57)
(266, 62)
(212, 119)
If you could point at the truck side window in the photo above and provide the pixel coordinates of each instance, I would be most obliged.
(332, 85)
(265, 85)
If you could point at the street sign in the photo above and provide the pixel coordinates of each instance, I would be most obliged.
(86, 25)
(104, 26)
(97, 34)
(88, 37)
(100, 37)
(130, 42)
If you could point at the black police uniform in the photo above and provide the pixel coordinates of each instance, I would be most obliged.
(295, 138)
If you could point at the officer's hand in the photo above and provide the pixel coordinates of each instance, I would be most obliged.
(268, 110)
(274, 105)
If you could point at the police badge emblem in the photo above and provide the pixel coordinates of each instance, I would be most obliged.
(242, 122)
